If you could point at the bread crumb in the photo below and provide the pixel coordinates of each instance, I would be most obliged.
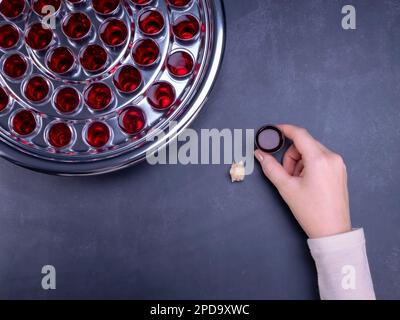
(237, 172)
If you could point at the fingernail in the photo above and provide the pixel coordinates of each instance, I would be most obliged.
(258, 155)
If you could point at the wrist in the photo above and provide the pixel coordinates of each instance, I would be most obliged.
(330, 231)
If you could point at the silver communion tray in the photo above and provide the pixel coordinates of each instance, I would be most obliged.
(86, 96)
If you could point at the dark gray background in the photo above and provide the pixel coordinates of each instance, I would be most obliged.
(187, 232)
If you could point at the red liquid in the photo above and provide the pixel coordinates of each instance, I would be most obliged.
(36, 89)
(77, 25)
(151, 22)
(186, 27)
(60, 135)
(15, 66)
(4, 99)
(132, 120)
(60, 60)
(114, 32)
(98, 96)
(269, 139)
(161, 95)
(179, 3)
(38, 6)
(127, 79)
(37, 37)
(141, 2)
(105, 6)
(98, 134)
(24, 122)
(180, 64)
(9, 36)
(12, 8)
(67, 100)
(146, 52)
(93, 58)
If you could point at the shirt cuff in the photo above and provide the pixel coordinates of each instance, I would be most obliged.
(342, 266)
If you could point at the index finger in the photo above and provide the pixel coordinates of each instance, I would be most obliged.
(304, 142)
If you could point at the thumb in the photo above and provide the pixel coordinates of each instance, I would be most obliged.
(272, 169)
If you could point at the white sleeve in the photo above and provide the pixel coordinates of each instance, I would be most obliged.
(342, 266)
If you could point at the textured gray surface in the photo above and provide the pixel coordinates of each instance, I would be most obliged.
(186, 232)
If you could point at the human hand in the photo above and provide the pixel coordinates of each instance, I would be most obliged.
(312, 181)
